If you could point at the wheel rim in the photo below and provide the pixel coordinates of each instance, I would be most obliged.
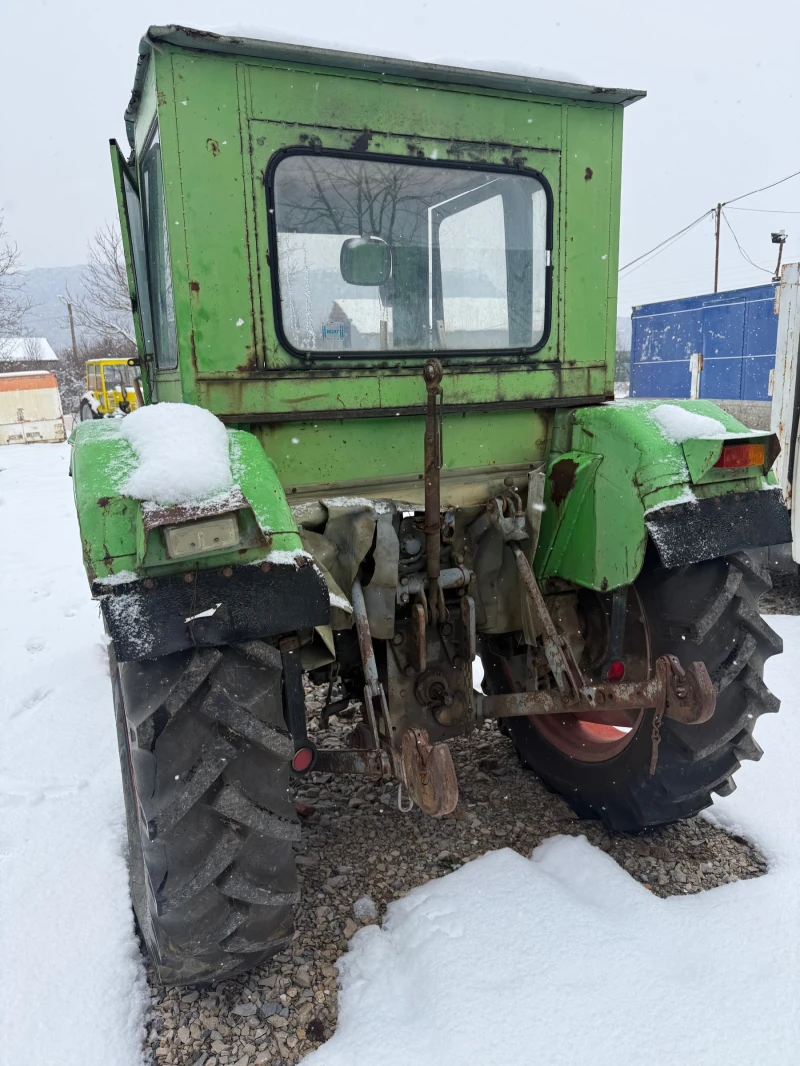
(602, 736)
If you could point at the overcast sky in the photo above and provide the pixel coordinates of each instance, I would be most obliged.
(721, 116)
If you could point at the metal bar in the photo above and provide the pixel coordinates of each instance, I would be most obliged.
(294, 699)
(453, 577)
(372, 686)
(717, 227)
(557, 652)
(352, 761)
(688, 695)
(413, 411)
(432, 374)
(419, 632)
(634, 696)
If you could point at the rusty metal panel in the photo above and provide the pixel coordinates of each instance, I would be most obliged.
(784, 397)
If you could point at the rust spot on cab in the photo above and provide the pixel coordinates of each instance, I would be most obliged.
(194, 287)
(104, 501)
(361, 143)
(562, 480)
(588, 174)
(212, 145)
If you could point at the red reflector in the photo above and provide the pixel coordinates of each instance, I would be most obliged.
(615, 672)
(739, 455)
(302, 759)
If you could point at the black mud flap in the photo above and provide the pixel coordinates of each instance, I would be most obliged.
(226, 606)
(707, 528)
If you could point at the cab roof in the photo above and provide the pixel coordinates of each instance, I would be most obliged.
(222, 44)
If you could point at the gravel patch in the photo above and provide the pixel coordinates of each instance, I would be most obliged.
(783, 597)
(359, 852)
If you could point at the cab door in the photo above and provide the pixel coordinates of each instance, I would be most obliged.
(132, 229)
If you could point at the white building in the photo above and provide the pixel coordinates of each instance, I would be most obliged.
(26, 350)
(30, 408)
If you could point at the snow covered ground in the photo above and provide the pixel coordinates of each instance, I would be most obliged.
(72, 983)
(565, 959)
(506, 962)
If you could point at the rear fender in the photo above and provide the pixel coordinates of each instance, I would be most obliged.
(616, 479)
(153, 604)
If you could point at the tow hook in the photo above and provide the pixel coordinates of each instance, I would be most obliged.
(430, 776)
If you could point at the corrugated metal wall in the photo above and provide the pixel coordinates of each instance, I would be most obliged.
(735, 332)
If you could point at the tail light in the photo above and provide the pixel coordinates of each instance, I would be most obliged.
(735, 456)
(615, 671)
(303, 758)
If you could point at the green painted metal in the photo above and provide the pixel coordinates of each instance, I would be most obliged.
(119, 170)
(222, 118)
(608, 466)
(224, 109)
(112, 527)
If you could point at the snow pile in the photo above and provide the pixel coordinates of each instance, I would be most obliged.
(566, 959)
(72, 982)
(678, 425)
(182, 454)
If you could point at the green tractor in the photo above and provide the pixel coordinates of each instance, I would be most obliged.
(394, 285)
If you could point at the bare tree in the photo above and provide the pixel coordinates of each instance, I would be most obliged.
(14, 302)
(104, 310)
(32, 349)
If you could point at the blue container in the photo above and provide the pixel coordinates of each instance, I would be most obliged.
(736, 333)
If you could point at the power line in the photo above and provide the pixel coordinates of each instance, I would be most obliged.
(763, 188)
(667, 243)
(741, 250)
(766, 210)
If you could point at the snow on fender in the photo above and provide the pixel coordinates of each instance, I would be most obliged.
(181, 451)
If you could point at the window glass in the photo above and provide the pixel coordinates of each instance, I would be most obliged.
(379, 255)
(157, 253)
(136, 226)
(92, 378)
(114, 376)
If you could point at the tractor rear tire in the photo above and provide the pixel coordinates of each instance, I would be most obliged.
(87, 413)
(205, 759)
(707, 612)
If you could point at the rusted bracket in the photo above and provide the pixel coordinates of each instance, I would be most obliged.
(429, 774)
(687, 696)
(557, 650)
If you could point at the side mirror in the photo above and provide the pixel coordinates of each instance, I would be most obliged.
(365, 261)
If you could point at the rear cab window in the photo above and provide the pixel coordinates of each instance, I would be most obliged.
(385, 255)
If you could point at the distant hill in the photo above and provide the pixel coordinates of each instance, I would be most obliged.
(48, 316)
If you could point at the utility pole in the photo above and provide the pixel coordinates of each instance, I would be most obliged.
(72, 331)
(717, 221)
(68, 306)
(779, 239)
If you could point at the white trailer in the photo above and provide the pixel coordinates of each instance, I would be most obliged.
(30, 408)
